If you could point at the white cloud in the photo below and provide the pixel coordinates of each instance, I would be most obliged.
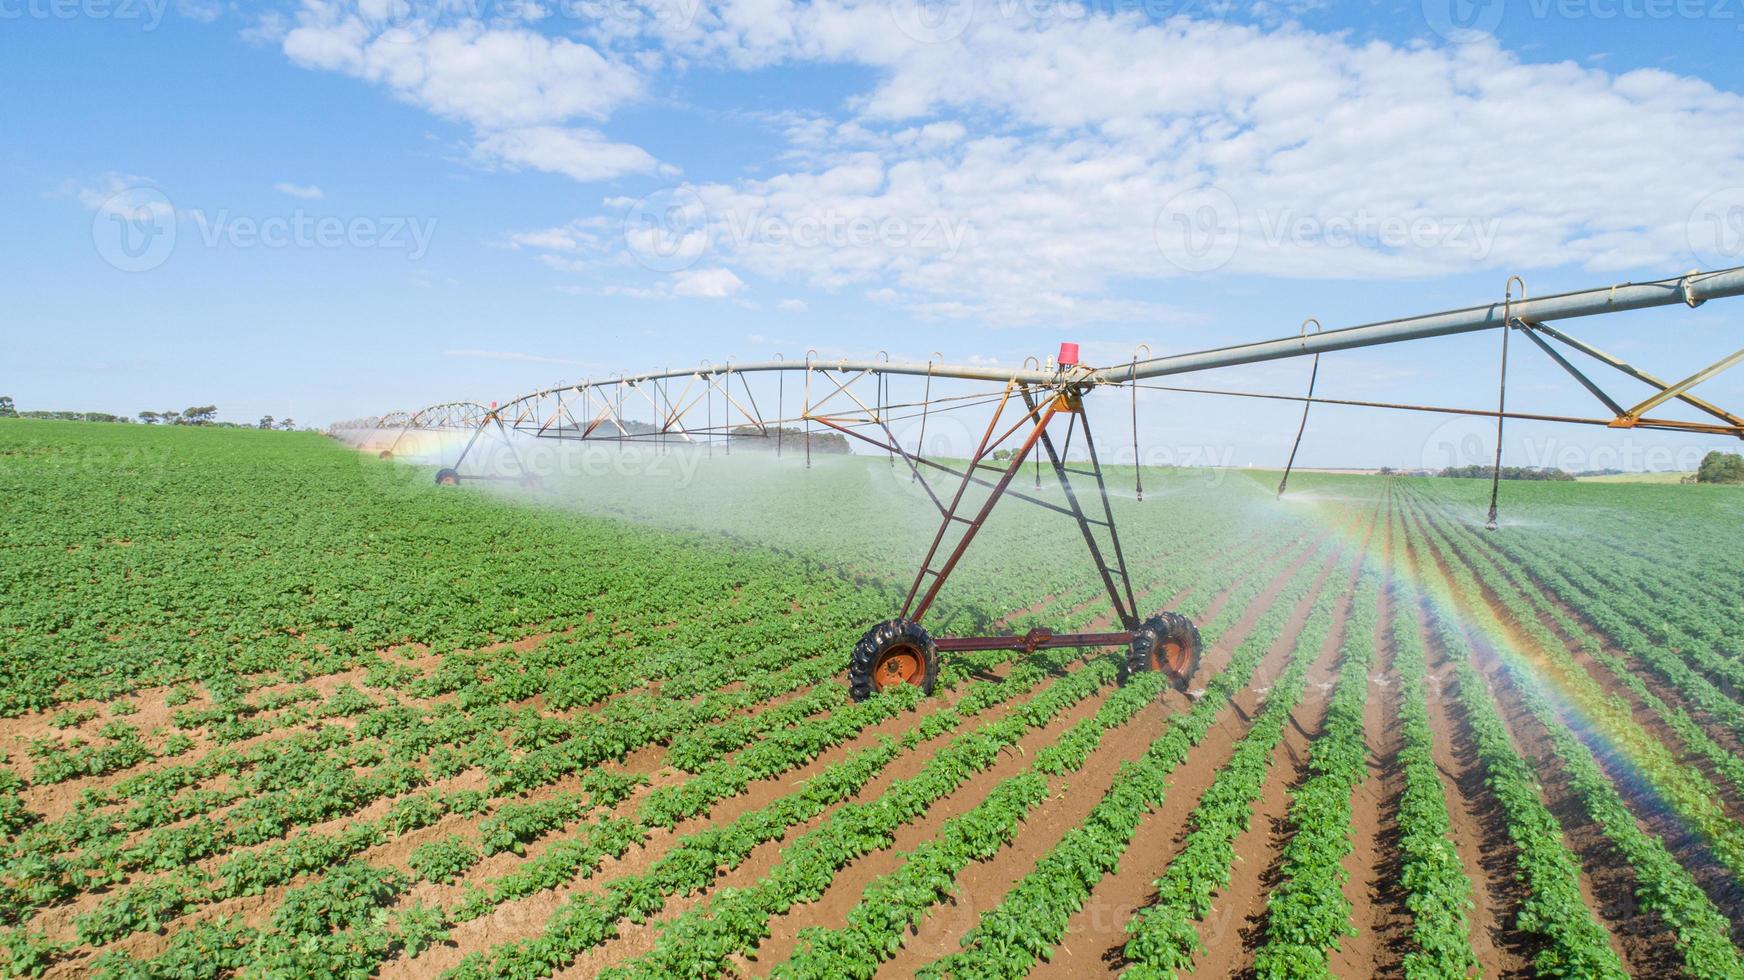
(580, 154)
(120, 194)
(307, 192)
(1030, 165)
(1025, 170)
(582, 234)
(792, 306)
(517, 88)
(493, 77)
(706, 283)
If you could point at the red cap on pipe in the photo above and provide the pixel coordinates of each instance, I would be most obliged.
(1068, 355)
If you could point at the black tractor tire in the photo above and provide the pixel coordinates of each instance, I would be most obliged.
(447, 477)
(891, 653)
(1168, 642)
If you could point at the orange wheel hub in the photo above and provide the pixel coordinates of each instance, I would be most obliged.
(902, 665)
(1170, 657)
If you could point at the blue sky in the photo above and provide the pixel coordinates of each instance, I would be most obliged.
(457, 193)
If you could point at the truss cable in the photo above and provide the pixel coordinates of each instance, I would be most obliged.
(1313, 377)
(1502, 399)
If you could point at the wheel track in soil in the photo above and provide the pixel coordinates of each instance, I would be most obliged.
(1650, 938)
(834, 905)
(1478, 825)
(1094, 936)
(1375, 863)
(636, 939)
(526, 917)
(1240, 908)
(1039, 831)
(1607, 881)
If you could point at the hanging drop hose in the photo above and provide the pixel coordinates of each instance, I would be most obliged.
(925, 403)
(1313, 378)
(1492, 523)
(1038, 458)
(882, 389)
(806, 408)
(1137, 465)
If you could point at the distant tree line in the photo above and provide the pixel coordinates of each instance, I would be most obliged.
(1508, 473)
(752, 437)
(192, 415)
(1719, 467)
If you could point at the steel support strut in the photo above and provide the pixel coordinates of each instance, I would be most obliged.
(901, 652)
(1039, 412)
(922, 593)
(1125, 607)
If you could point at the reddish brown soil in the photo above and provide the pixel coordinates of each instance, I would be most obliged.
(1648, 937)
(1096, 934)
(1607, 880)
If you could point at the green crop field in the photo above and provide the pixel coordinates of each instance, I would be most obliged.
(274, 707)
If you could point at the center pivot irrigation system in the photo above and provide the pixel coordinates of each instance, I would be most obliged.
(851, 398)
